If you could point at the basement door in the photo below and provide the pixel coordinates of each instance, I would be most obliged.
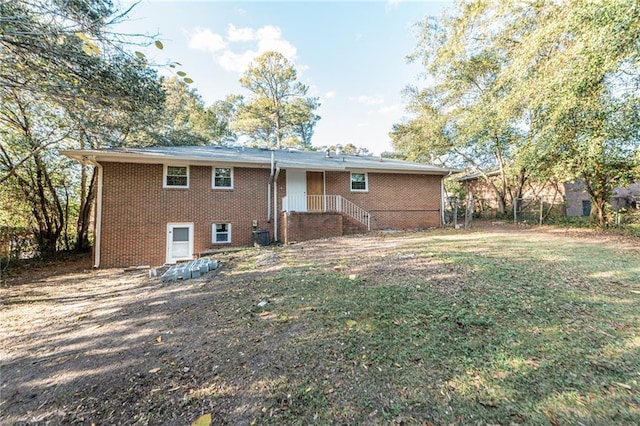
(179, 241)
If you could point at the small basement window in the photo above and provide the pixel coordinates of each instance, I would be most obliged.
(359, 182)
(176, 177)
(223, 177)
(221, 233)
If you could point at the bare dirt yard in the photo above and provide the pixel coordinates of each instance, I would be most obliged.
(501, 325)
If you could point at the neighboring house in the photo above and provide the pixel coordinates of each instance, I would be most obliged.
(572, 196)
(167, 204)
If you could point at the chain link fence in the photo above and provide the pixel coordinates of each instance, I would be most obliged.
(461, 212)
(15, 243)
(458, 212)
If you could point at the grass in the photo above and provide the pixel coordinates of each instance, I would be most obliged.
(628, 223)
(498, 326)
(527, 331)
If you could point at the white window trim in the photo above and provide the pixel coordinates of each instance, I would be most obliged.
(164, 176)
(213, 178)
(214, 233)
(366, 182)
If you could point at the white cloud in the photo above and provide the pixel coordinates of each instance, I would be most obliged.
(233, 54)
(361, 125)
(207, 41)
(236, 62)
(239, 34)
(368, 100)
(330, 94)
(388, 109)
(270, 39)
(268, 32)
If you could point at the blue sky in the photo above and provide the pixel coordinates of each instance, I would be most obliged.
(350, 54)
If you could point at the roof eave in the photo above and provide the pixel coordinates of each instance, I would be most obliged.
(98, 156)
(156, 158)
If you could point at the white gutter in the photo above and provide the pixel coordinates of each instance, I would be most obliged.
(269, 183)
(98, 219)
(443, 202)
(275, 205)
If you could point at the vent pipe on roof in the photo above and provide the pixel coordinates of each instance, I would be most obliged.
(327, 153)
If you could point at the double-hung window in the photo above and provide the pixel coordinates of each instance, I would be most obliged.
(223, 177)
(175, 176)
(221, 233)
(359, 182)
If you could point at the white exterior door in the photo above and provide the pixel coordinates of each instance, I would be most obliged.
(297, 190)
(179, 242)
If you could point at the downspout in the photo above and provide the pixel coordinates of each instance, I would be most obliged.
(275, 205)
(269, 183)
(442, 199)
(98, 219)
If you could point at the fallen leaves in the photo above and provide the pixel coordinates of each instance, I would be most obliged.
(203, 420)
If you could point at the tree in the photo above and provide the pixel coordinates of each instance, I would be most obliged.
(542, 89)
(183, 120)
(303, 120)
(135, 106)
(220, 115)
(278, 108)
(65, 82)
(29, 128)
(459, 117)
(589, 103)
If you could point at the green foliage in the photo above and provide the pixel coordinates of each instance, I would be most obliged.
(455, 188)
(182, 119)
(65, 82)
(220, 116)
(278, 110)
(542, 90)
(303, 119)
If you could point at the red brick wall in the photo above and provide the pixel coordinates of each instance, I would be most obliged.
(401, 201)
(136, 210)
(310, 226)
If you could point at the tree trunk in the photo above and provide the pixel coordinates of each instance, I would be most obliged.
(84, 215)
(598, 188)
(598, 211)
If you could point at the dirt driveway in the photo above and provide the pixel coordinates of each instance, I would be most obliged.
(115, 347)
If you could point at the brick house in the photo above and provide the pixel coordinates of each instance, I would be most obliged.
(166, 204)
(572, 196)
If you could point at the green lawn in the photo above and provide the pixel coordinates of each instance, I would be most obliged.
(504, 326)
(483, 328)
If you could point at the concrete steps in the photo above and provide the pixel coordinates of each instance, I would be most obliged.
(186, 271)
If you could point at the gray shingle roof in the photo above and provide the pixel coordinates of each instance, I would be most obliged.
(254, 157)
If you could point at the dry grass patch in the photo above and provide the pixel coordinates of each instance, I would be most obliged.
(498, 326)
